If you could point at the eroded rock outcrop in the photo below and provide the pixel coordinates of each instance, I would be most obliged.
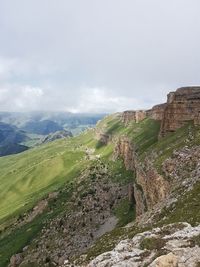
(103, 138)
(182, 106)
(157, 112)
(124, 149)
(133, 116)
(149, 186)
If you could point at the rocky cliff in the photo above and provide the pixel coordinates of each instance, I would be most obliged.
(182, 106)
(166, 187)
(157, 112)
(149, 186)
(133, 116)
(124, 149)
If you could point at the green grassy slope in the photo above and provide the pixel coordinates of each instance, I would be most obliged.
(143, 134)
(30, 175)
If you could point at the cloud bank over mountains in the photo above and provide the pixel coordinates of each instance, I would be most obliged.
(96, 56)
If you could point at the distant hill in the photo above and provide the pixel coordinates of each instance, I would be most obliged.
(43, 127)
(10, 139)
(10, 134)
(57, 135)
(11, 148)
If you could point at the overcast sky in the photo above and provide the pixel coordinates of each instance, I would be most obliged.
(96, 55)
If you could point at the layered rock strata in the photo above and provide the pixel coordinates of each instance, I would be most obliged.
(182, 107)
(133, 116)
(125, 150)
(157, 112)
(149, 186)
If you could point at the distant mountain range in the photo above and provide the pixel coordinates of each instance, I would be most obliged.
(64, 119)
(19, 131)
(43, 127)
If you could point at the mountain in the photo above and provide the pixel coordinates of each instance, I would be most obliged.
(10, 134)
(57, 135)
(125, 193)
(10, 139)
(34, 121)
(11, 148)
(43, 127)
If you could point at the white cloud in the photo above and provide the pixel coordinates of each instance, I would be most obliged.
(7, 65)
(127, 54)
(22, 98)
(99, 100)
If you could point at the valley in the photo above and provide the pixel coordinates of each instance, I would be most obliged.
(21, 131)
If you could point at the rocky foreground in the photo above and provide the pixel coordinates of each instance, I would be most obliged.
(174, 245)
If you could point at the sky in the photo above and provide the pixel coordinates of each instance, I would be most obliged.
(96, 55)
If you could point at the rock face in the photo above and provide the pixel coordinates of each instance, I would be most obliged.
(157, 112)
(174, 245)
(15, 260)
(182, 106)
(103, 137)
(169, 260)
(124, 149)
(133, 116)
(149, 186)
